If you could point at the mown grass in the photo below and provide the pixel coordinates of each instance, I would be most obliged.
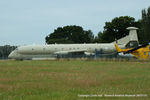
(65, 80)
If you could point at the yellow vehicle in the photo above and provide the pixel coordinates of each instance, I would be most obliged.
(141, 52)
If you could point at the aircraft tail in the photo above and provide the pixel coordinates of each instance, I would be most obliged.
(141, 54)
(133, 39)
(120, 50)
(117, 48)
(130, 41)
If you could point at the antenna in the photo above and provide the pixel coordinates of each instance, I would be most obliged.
(116, 40)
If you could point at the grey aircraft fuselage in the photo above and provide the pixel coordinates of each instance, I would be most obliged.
(47, 51)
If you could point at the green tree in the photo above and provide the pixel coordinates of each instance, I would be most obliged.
(5, 51)
(144, 32)
(97, 38)
(70, 34)
(116, 29)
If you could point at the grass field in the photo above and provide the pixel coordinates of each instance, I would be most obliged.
(65, 80)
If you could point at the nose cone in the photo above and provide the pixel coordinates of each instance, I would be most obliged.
(11, 55)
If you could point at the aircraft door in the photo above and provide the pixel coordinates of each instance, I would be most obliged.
(96, 52)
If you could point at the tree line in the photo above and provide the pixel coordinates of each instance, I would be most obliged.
(5, 51)
(113, 30)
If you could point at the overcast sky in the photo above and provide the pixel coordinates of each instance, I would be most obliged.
(29, 21)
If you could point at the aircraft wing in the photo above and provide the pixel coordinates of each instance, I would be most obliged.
(71, 51)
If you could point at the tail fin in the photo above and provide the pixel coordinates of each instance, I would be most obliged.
(117, 48)
(121, 50)
(131, 40)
